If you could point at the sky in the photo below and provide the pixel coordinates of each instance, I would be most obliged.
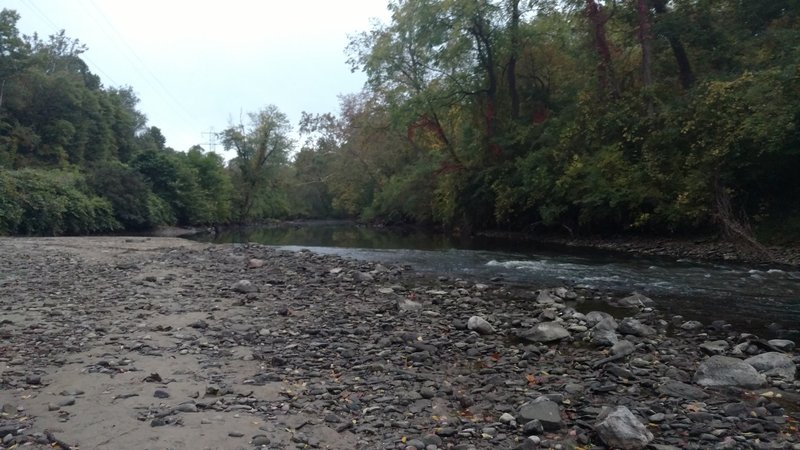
(199, 66)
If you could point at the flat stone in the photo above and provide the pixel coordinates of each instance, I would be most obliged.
(635, 300)
(545, 332)
(545, 411)
(682, 390)
(783, 345)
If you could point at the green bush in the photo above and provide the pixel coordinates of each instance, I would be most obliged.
(49, 202)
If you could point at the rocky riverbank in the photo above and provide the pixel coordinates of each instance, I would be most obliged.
(165, 343)
(701, 248)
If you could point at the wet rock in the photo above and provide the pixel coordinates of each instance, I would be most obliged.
(547, 412)
(619, 428)
(773, 364)
(479, 324)
(544, 332)
(726, 371)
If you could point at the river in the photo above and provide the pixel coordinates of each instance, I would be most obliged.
(763, 300)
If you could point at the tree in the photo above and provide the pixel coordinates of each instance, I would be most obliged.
(261, 148)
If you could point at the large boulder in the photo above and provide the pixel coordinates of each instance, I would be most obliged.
(545, 332)
(619, 428)
(773, 364)
(726, 371)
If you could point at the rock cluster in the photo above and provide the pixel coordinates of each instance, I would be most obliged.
(245, 346)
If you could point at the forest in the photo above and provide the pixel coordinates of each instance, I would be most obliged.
(581, 117)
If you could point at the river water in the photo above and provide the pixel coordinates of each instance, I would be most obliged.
(763, 300)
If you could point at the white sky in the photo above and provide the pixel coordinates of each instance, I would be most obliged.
(200, 64)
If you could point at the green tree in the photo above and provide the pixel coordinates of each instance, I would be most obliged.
(261, 152)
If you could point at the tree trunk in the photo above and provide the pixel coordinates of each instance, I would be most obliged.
(511, 71)
(678, 50)
(597, 19)
(645, 41)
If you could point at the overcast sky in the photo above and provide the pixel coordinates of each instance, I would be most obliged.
(200, 64)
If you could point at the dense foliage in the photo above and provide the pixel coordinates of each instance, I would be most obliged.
(648, 115)
(76, 157)
(590, 116)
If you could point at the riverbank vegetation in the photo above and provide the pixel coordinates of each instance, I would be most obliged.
(593, 116)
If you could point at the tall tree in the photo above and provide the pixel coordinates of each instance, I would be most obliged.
(260, 148)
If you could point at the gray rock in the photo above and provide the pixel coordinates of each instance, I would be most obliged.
(635, 300)
(691, 325)
(774, 364)
(363, 276)
(634, 327)
(479, 324)
(726, 371)
(715, 347)
(623, 347)
(260, 439)
(677, 389)
(593, 318)
(546, 412)
(783, 345)
(187, 408)
(405, 305)
(506, 418)
(244, 287)
(604, 337)
(533, 427)
(255, 263)
(546, 297)
(619, 428)
(160, 393)
(545, 332)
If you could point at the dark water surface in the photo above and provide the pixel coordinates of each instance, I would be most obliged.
(758, 299)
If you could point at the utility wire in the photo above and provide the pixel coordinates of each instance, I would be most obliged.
(139, 65)
(31, 6)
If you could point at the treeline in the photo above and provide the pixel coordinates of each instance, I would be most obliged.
(594, 116)
(588, 116)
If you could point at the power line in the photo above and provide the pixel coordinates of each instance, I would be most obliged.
(147, 75)
(56, 29)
